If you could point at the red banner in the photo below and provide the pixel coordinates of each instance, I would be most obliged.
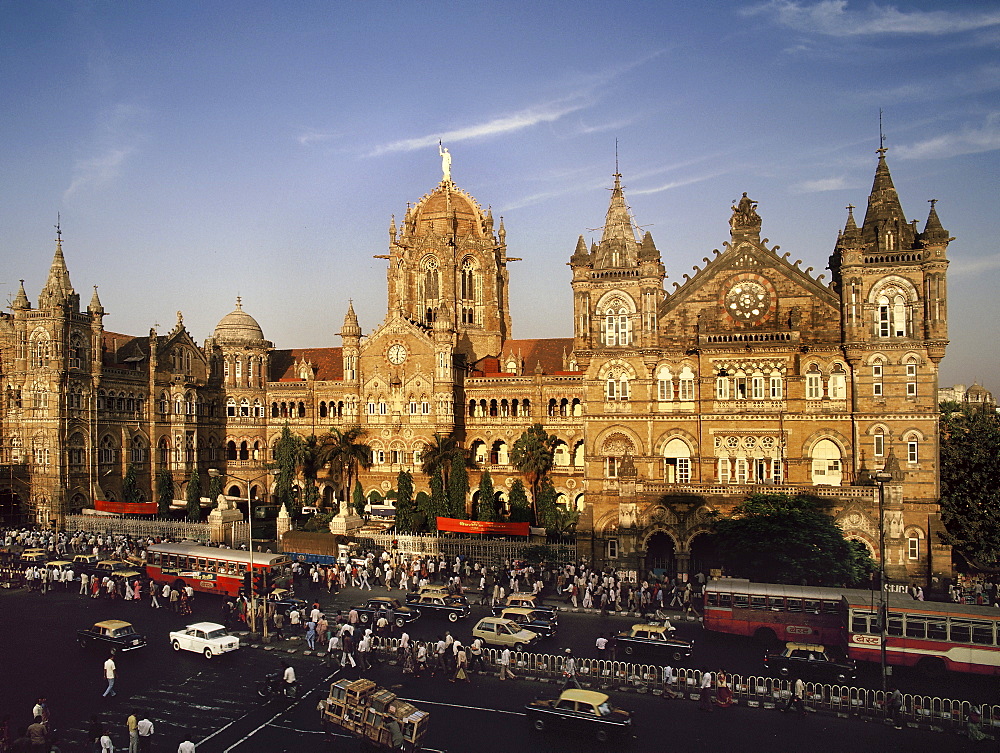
(126, 508)
(478, 526)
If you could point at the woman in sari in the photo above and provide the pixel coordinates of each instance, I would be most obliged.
(723, 693)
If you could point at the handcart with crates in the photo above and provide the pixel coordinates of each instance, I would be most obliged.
(369, 712)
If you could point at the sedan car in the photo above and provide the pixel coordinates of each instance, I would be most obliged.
(283, 601)
(452, 607)
(653, 641)
(580, 711)
(810, 661)
(206, 638)
(116, 634)
(498, 631)
(524, 601)
(543, 623)
(401, 613)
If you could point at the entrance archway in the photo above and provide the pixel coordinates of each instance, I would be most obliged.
(660, 555)
(705, 555)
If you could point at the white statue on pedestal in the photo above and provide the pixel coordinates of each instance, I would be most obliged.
(445, 163)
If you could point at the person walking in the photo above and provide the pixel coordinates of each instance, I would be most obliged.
(798, 692)
(110, 674)
(186, 747)
(145, 729)
(505, 664)
(705, 703)
(461, 664)
(569, 671)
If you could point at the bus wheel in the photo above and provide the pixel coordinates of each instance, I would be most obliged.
(765, 636)
(932, 666)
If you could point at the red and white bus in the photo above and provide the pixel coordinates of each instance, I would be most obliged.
(774, 612)
(933, 636)
(211, 569)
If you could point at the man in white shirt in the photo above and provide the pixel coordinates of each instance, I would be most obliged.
(110, 674)
(145, 729)
(186, 747)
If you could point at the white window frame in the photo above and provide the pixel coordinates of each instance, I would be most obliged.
(877, 372)
(878, 442)
(814, 386)
(912, 451)
(911, 380)
(913, 547)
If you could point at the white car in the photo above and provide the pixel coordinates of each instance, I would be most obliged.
(207, 638)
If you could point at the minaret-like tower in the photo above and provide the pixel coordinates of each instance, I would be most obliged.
(618, 284)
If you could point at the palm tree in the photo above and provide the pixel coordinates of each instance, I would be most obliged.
(438, 455)
(346, 453)
(532, 454)
(310, 464)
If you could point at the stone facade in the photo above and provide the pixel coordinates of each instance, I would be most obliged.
(669, 406)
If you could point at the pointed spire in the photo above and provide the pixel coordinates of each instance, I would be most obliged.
(95, 306)
(21, 301)
(580, 255)
(392, 230)
(351, 327)
(618, 247)
(647, 251)
(885, 225)
(58, 289)
(933, 231)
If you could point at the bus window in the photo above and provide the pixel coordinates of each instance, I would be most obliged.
(713, 599)
(859, 622)
(982, 633)
(758, 602)
(916, 627)
(794, 605)
(961, 631)
(210, 566)
(895, 626)
(831, 607)
(726, 600)
(777, 604)
(169, 560)
(241, 569)
(155, 561)
(811, 605)
(201, 564)
(741, 601)
(937, 630)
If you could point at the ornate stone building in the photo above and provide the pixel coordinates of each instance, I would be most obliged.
(668, 406)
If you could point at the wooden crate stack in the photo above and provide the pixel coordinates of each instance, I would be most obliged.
(362, 708)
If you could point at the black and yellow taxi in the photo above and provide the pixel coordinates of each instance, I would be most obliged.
(116, 634)
(543, 623)
(584, 712)
(810, 661)
(653, 641)
(524, 601)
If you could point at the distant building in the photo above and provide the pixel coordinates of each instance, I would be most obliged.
(976, 394)
(749, 375)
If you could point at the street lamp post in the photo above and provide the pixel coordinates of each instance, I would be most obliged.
(216, 473)
(882, 478)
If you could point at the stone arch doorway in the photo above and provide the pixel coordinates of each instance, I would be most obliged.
(11, 509)
(705, 555)
(661, 555)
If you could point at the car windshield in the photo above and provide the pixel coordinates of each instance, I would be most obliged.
(119, 632)
(604, 709)
(217, 633)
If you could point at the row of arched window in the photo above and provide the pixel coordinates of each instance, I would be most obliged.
(502, 408)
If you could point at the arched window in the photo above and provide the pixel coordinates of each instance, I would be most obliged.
(39, 350)
(777, 387)
(838, 383)
(428, 287)
(814, 383)
(77, 356)
(722, 387)
(877, 368)
(911, 377)
(826, 464)
(664, 384)
(677, 462)
(322, 409)
(686, 385)
(617, 323)
(231, 450)
(106, 451)
(231, 407)
(137, 449)
(163, 447)
(245, 407)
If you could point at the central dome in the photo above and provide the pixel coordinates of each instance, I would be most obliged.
(238, 327)
(448, 209)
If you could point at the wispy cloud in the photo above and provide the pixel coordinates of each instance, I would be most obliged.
(116, 138)
(834, 18)
(310, 137)
(821, 184)
(968, 140)
(677, 183)
(516, 121)
(974, 266)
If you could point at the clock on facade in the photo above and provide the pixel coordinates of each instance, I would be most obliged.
(748, 298)
(396, 354)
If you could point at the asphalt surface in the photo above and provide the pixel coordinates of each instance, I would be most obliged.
(214, 703)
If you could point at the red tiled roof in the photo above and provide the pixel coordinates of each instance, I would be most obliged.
(115, 347)
(328, 364)
(547, 352)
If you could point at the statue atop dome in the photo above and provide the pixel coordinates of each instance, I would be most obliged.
(445, 162)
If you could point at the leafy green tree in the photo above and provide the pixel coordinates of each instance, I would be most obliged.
(404, 502)
(358, 501)
(438, 456)
(347, 454)
(520, 508)
(164, 491)
(287, 452)
(130, 485)
(970, 496)
(215, 486)
(438, 503)
(458, 487)
(486, 509)
(779, 538)
(546, 503)
(311, 462)
(193, 496)
(532, 454)
(422, 503)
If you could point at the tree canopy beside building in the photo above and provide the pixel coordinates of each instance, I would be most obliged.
(779, 538)
(970, 497)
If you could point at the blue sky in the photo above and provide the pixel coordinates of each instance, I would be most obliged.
(200, 151)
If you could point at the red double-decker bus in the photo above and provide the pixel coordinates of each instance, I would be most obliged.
(211, 569)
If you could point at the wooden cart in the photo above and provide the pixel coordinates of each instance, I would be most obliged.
(367, 712)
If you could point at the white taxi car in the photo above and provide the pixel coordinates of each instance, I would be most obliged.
(206, 638)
